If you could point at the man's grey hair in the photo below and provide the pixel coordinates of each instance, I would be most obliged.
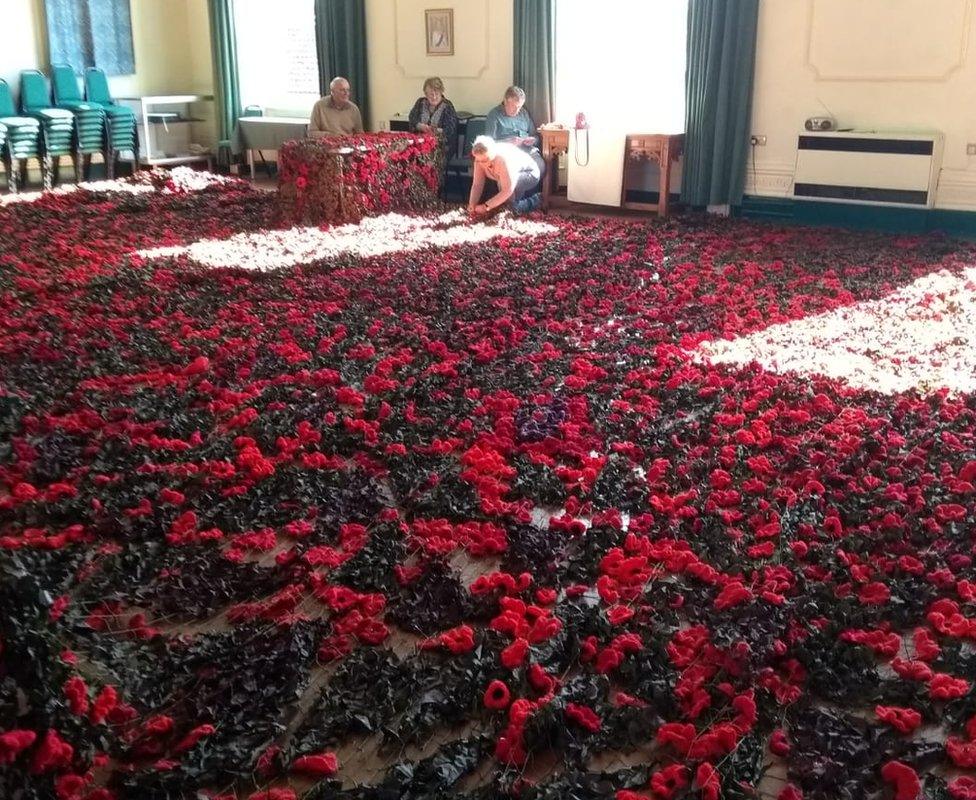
(336, 81)
(515, 91)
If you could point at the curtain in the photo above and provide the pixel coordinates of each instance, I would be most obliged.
(340, 39)
(90, 33)
(227, 89)
(535, 56)
(718, 100)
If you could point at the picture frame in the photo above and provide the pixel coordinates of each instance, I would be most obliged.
(439, 30)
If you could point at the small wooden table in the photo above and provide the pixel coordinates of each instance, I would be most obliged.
(555, 142)
(665, 149)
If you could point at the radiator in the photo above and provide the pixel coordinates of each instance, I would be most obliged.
(900, 169)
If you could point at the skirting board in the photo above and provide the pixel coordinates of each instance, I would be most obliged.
(842, 215)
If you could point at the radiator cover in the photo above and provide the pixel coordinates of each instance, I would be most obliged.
(872, 167)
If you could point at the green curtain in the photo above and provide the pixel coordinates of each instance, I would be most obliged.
(718, 98)
(340, 40)
(535, 56)
(227, 85)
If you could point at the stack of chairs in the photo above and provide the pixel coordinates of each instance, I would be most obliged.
(90, 130)
(121, 121)
(23, 140)
(57, 124)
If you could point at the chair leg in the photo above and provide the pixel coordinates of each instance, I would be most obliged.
(76, 162)
(12, 167)
(53, 171)
(86, 166)
(23, 172)
(110, 164)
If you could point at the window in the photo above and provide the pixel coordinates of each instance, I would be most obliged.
(622, 63)
(91, 33)
(276, 56)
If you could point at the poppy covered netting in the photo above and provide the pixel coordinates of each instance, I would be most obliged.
(508, 516)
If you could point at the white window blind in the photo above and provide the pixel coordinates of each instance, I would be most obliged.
(622, 63)
(276, 55)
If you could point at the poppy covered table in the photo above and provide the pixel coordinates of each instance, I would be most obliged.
(339, 179)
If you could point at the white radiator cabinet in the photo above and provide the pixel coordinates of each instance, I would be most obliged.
(869, 167)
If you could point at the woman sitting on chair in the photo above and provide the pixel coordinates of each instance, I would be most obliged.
(517, 174)
(510, 122)
(433, 112)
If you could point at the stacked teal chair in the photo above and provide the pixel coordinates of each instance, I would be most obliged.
(121, 121)
(57, 124)
(90, 130)
(23, 140)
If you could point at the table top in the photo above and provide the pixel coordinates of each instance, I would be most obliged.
(274, 120)
(168, 98)
(362, 147)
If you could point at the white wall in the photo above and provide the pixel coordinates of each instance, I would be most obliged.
(21, 40)
(475, 77)
(886, 64)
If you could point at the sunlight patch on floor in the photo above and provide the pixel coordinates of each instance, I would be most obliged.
(923, 336)
(182, 180)
(390, 233)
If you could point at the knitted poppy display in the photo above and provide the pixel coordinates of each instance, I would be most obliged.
(481, 510)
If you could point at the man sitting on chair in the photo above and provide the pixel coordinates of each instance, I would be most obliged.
(335, 115)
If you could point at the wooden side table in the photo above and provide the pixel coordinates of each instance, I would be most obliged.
(555, 142)
(665, 149)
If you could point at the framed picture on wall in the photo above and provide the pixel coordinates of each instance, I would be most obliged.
(440, 31)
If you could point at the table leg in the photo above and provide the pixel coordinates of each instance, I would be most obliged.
(342, 190)
(550, 181)
(664, 188)
(250, 162)
(623, 179)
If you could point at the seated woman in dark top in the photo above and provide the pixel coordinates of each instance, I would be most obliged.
(434, 112)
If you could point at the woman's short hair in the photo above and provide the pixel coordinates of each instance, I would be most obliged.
(483, 145)
(434, 83)
(515, 91)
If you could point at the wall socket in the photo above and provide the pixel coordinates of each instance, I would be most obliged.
(971, 149)
(757, 140)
